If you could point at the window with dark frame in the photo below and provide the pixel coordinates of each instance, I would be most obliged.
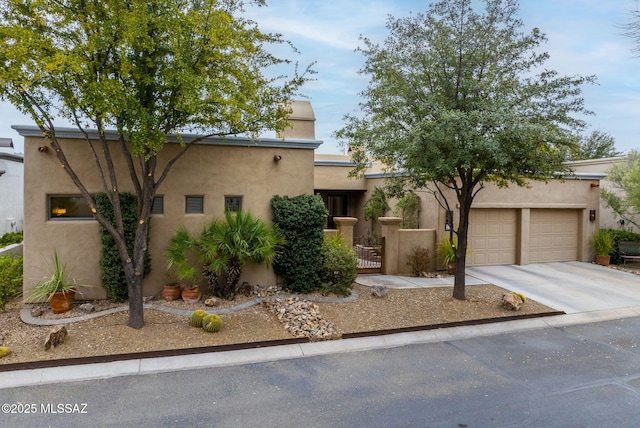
(61, 207)
(194, 205)
(233, 203)
(158, 205)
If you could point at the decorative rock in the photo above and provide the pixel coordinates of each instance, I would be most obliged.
(212, 301)
(147, 299)
(36, 311)
(248, 289)
(379, 290)
(511, 301)
(4, 351)
(87, 308)
(55, 337)
(301, 318)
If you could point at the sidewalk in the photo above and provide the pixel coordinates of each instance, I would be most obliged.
(140, 366)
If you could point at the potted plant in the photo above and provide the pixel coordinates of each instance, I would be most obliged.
(59, 289)
(447, 251)
(171, 290)
(602, 243)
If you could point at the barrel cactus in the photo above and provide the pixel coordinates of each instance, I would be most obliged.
(196, 318)
(4, 351)
(211, 323)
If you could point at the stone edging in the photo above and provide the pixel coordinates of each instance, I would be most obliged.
(26, 317)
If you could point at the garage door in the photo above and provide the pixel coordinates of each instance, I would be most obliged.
(553, 236)
(492, 237)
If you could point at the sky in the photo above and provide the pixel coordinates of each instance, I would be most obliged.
(585, 37)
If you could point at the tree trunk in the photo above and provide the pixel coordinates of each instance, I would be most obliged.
(465, 198)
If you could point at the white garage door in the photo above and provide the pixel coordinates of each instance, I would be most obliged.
(492, 237)
(553, 236)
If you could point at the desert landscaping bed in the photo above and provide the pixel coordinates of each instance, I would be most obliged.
(110, 335)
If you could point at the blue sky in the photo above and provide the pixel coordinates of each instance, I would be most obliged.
(584, 37)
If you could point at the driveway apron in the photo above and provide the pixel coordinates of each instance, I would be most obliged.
(566, 286)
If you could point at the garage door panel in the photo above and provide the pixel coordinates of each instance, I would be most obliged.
(553, 235)
(492, 237)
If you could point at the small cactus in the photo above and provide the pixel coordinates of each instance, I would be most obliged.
(4, 351)
(196, 317)
(211, 323)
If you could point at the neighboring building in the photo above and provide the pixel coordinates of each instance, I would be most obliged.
(11, 187)
(233, 172)
(608, 219)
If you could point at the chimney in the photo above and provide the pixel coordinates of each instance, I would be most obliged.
(301, 122)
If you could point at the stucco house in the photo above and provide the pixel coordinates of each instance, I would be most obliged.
(544, 222)
(11, 187)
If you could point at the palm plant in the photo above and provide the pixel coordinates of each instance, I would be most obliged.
(224, 246)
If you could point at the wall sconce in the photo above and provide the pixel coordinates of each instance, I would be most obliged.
(277, 157)
(58, 211)
(595, 184)
(43, 149)
(448, 221)
(592, 215)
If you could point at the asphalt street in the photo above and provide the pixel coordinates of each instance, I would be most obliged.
(585, 375)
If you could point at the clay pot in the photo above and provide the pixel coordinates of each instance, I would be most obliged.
(62, 301)
(451, 268)
(191, 295)
(171, 292)
(603, 260)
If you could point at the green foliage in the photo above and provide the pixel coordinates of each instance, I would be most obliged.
(419, 260)
(211, 323)
(459, 97)
(447, 250)
(224, 246)
(112, 276)
(11, 238)
(619, 236)
(10, 278)
(147, 70)
(602, 242)
(59, 281)
(377, 205)
(301, 221)
(624, 199)
(196, 318)
(408, 207)
(596, 145)
(339, 266)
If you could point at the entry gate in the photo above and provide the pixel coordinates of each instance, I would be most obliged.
(370, 254)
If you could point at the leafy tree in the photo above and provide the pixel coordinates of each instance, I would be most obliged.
(459, 98)
(596, 145)
(147, 69)
(624, 200)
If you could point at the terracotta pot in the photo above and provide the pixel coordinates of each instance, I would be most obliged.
(191, 295)
(603, 260)
(171, 292)
(62, 301)
(451, 268)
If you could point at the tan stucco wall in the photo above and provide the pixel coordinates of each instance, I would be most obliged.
(411, 238)
(214, 171)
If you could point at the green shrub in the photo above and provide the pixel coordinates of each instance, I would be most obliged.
(112, 275)
(339, 266)
(602, 242)
(10, 278)
(10, 238)
(300, 220)
(620, 235)
(419, 260)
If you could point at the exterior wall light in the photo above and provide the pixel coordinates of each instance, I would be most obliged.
(595, 184)
(277, 157)
(592, 215)
(43, 149)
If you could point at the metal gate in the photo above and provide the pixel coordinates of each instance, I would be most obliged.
(370, 254)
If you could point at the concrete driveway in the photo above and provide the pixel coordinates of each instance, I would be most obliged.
(571, 287)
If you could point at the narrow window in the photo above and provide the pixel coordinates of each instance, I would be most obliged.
(194, 205)
(158, 205)
(233, 203)
(68, 207)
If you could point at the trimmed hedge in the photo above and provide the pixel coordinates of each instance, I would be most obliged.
(301, 221)
(112, 275)
(10, 278)
(10, 238)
